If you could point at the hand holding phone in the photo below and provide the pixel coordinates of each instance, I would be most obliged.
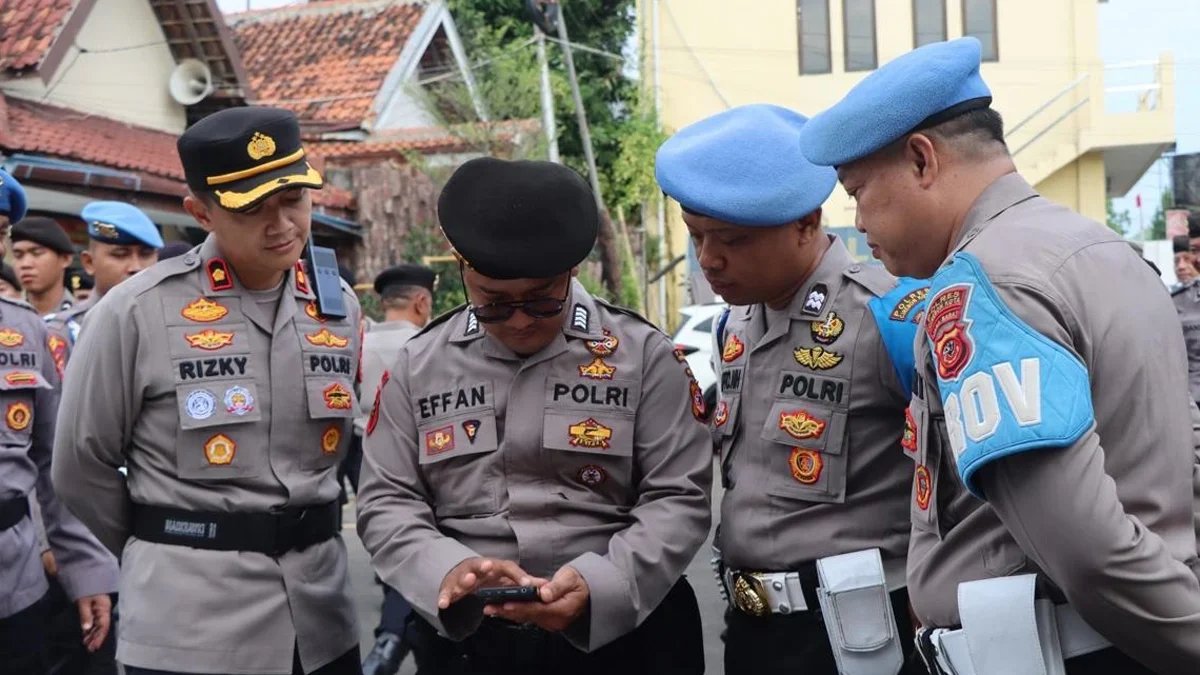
(499, 595)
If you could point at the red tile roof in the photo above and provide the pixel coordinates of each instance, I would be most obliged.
(41, 129)
(426, 140)
(325, 61)
(27, 28)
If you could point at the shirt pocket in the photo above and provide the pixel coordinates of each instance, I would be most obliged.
(332, 404)
(592, 453)
(459, 457)
(18, 389)
(806, 452)
(217, 438)
(926, 462)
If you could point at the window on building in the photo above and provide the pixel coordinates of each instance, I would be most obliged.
(979, 21)
(929, 21)
(859, 19)
(812, 29)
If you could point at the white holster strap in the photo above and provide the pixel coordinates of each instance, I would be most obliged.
(854, 598)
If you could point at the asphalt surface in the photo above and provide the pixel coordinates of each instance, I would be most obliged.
(368, 595)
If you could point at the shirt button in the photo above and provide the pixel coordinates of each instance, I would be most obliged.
(854, 269)
(189, 259)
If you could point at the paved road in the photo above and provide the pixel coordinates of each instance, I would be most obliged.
(368, 596)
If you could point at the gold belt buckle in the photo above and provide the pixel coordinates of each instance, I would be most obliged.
(749, 594)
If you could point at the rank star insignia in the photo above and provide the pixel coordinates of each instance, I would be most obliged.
(604, 346)
(313, 313)
(209, 340)
(19, 377)
(261, 146)
(218, 275)
(909, 440)
(337, 397)
(471, 429)
(301, 278)
(827, 331)
(806, 465)
(589, 434)
(58, 351)
(801, 425)
(439, 441)
(11, 338)
(722, 415)
(733, 349)
(203, 310)
(592, 475)
(947, 327)
(324, 338)
(597, 370)
(816, 358)
(18, 416)
(922, 487)
(219, 450)
(331, 439)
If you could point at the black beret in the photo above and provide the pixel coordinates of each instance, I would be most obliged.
(405, 275)
(173, 249)
(44, 231)
(518, 220)
(1179, 243)
(7, 274)
(76, 279)
(1194, 224)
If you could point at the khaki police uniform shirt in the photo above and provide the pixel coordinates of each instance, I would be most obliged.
(810, 420)
(381, 343)
(1045, 367)
(1187, 303)
(589, 453)
(214, 401)
(64, 330)
(29, 400)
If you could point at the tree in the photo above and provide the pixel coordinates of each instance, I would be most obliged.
(1118, 221)
(1158, 224)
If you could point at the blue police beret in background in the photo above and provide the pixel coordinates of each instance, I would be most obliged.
(120, 224)
(12, 197)
(920, 89)
(744, 166)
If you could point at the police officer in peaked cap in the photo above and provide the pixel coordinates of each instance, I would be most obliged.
(815, 368)
(541, 438)
(225, 383)
(1052, 497)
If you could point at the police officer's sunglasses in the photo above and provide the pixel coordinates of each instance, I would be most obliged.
(537, 308)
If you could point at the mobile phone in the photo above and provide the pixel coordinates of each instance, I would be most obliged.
(327, 281)
(502, 594)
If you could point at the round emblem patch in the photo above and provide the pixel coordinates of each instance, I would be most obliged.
(592, 475)
(200, 404)
(923, 488)
(238, 400)
(806, 465)
(18, 416)
(330, 440)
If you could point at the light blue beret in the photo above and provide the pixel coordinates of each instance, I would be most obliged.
(120, 224)
(12, 197)
(744, 166)
(923, 88)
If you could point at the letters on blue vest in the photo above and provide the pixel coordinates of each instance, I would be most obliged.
(898, 315)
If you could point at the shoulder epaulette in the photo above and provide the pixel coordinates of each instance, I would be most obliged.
(627, 312)
(441, 318)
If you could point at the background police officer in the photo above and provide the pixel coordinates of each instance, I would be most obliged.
(29, 400)
(1050, 409)
(221, 383)
(539, 437)
(1186, 296)
(42, 252)
(815, 365)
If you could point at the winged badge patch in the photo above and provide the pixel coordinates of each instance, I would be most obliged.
(816, 358)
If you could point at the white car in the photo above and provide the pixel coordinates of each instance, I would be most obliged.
(695, 339)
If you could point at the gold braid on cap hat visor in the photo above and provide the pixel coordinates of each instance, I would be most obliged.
(235, 201)
(255, 170)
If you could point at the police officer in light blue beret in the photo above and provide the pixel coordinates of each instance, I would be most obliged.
(12, 200)
(1052, 493)
(814, 365)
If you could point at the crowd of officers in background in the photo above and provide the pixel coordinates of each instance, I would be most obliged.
(927, 466)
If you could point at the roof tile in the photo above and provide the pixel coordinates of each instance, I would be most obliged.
(27, 30)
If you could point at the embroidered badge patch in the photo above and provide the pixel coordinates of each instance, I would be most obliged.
(337, 397)
(204, 310)
(19, 377)
(331, 439)
(923, 487)
(829, 330)
(58, 351)
(679, 355)
(698, 410)
(11, 338)
(471, 429)
(816, 358)
(301, 277)
(722, 415)
(18, 416)
(310, 309)
(209, 340)
(261, 146)
(580, 318)
(597, 370)
(801, 424)
(592, 475)
(806, 465)
(909, 440)
(733, 349)
(324, 338)
(605, 346)
(902, 309)
(439, 441)
(219, 450)
(814, 302)
(238, 400)
(200, 404)
(219, 278)
(948, 328)
(373, 420)
(589, 434)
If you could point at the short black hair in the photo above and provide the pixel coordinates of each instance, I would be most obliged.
(1180, 244)
(985, 124)
(1193, 224)
(398, 296)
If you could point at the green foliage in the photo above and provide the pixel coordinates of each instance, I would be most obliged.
(426, 240)
(593, 286)
(1158, 224)
(1120, 222)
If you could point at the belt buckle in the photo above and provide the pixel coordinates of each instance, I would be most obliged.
(749, 594)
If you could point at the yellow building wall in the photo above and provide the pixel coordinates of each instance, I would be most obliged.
(1079, 186)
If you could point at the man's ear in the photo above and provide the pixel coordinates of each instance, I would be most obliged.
(198, 210)
(809, 226)
(921, 156)
(89, 264)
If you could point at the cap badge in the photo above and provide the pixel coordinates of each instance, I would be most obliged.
(76, 282)
(261, 146)
(106, 230)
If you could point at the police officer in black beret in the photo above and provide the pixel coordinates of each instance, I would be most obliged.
(42, 252)
(543, 438)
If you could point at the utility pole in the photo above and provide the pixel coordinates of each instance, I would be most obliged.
(584, 133)
(547, 97)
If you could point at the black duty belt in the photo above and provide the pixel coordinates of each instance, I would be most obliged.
(273, 533)
(13, 511)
